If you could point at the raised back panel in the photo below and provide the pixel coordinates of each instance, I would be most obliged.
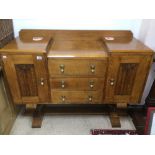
(26, 79)
(125, 79)
(27, 34)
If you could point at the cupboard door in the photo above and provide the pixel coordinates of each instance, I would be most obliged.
(126, 78)
(27, 78)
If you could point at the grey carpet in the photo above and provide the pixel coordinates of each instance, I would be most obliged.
(67, 125)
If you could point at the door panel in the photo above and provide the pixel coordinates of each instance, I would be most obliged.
(27, 77)
(126, 78)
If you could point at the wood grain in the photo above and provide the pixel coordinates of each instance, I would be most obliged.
(42, 78)
(26, 72)
(125, 78)
(128, 83)
(76, 97)
(75, 83)
(119, 66)
(77, 67)
(26, 79)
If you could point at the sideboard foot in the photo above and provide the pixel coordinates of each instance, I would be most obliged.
(37, 117)
(29, 109)
(115, 120)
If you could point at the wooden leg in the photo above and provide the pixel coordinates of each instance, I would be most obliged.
(122, 109)
(114, 118)
(37, 117)
(122, 105)
(29, 109)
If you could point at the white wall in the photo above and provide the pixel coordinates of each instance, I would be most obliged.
(147, 36)
(78, 23)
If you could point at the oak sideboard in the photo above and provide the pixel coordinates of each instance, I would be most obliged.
(76, 67)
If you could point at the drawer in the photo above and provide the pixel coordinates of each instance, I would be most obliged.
(62, 67)
(77, 83)
(67, 97)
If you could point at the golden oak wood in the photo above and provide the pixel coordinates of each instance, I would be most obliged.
(74, 83)
(126, 77)
(27, 76)
(74, 53)
(76, 97)
(18, 46)
(77, 67)
(12, 78)
(60, 67)
(78, 49)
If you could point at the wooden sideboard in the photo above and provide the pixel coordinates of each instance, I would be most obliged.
(76, 67)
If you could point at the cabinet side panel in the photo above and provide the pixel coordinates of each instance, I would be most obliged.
(140, 80)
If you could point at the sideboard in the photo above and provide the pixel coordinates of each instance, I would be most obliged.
(76, 67)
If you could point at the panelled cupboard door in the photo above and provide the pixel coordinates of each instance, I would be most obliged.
(27, 78)
(126, 78)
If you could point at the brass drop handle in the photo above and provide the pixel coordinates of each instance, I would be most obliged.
(62, 84)
(62, 68)
(112, 82)
(42, 81)
(90, 98)
(63, 98)
(92, 67)
(91, 84)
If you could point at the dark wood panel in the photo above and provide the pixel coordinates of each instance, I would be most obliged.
(125, 78)
(26, 79)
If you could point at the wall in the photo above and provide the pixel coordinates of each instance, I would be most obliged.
(147, 36)
(77, 23)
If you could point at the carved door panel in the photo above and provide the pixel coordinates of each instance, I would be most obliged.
(126, 78)
(27, 78)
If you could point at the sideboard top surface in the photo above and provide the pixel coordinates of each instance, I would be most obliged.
(75, 43)
(78, 48)
(19, 46)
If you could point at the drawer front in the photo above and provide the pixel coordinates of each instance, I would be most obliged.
(77, 83)
(61, 67)
(67, 97)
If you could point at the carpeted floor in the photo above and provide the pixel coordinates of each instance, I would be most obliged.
(67, 125)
